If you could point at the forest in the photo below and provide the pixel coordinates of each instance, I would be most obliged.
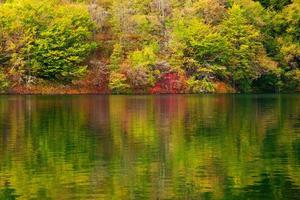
(149, 46)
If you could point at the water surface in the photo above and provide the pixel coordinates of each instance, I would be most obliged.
(150, 147)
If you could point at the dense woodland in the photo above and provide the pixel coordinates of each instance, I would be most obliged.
(149, 46)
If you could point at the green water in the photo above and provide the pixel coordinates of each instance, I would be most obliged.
(150, 147)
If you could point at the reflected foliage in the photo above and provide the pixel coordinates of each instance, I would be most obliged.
(150, 147)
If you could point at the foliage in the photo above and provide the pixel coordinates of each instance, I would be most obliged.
(171, 82)
(286, 28)
(145, 57)
(287, 22)
(97, 76)
(59, 51)
(270, 82)
(275, 4)
(211, 11)
(292, 80)
(247, 55)
(45, 39)
(200, 86)
(118, 83)
(200, 46)
(116, 57)
(245, 44)
(139, 78)
(4, 82)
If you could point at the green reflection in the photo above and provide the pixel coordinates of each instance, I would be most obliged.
(150, 147)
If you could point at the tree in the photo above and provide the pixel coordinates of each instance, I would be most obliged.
(60, 49)
(286, 28)
(45, 39)
(116, 57)
(199, 49)
(118, 83)
(248, 60)
(288, 23)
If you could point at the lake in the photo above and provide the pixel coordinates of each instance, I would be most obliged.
(150, 147)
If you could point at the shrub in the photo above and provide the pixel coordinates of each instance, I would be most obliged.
(118, 83)
(200, 86)
(291, 80)
(145, 57)
(269, 82)
(139, 78)
(4, 82)
(171, 82)
(97, 76)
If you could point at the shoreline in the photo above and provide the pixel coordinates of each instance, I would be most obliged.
(139, 94)
(81, 89)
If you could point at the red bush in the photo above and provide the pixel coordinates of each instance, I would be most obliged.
(171, 83)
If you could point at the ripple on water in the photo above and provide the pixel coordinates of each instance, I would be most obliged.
(150, 147)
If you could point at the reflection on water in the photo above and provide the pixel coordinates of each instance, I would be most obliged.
(150, 147)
